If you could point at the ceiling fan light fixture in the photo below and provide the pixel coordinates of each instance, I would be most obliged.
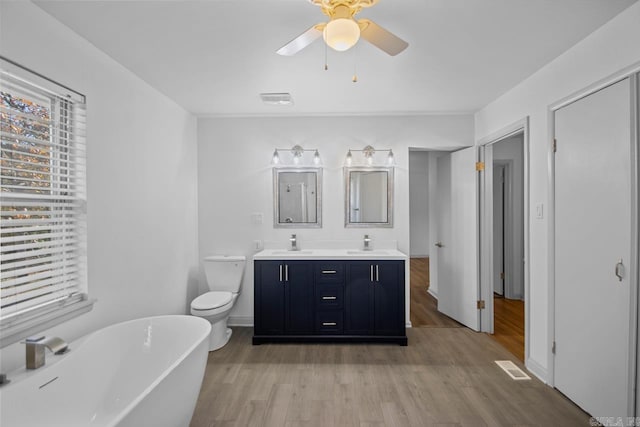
(341, 34)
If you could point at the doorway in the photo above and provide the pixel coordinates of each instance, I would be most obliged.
(423, 229)
(503, 236)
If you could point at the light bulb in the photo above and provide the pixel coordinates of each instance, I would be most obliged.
(316, 158)
(296, 159)
(369, 160)
(341, 33)
(349, 158)
(390, 158)
(276, 158)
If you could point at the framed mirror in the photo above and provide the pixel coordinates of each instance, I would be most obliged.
(297, 197)
(368, 197)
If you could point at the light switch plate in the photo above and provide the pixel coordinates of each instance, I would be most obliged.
(540, 211)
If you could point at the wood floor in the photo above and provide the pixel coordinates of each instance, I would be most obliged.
(508, 314)
(508, 325)
(445, 377)
(424, 307)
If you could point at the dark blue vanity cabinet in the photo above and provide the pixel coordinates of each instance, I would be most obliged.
(284, 300)
(329, 301)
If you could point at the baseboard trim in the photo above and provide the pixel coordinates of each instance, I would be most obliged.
(240, 321)
(537, 369)
(419, 256)
(433, 294)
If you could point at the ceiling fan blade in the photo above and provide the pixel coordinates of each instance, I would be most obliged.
(302, 41)
(381, 38)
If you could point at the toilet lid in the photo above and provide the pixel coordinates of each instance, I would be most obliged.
(211, 300)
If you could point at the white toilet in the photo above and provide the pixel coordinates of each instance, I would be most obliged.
(224, 277)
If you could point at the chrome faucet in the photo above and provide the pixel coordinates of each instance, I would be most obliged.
(36, 349)
(367, 243)
(294, 243)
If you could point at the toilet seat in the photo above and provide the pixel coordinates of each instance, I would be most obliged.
(212, 300)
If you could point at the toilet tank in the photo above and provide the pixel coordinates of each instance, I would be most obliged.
(224, 272)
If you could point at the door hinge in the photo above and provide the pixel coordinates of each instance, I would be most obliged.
(555, 145)
(481, 304)
(502, 276)
(553, 348)
(479, 166)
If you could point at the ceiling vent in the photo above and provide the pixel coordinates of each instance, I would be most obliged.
(276, 98)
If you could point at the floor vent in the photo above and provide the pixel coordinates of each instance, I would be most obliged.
(512, 370)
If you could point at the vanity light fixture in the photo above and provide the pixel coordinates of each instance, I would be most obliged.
(297, 156)
(368, 153)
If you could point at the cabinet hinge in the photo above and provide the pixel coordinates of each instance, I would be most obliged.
(479, 166)
(553, 348)
(555, 145)
(481, 304)
(502, 276)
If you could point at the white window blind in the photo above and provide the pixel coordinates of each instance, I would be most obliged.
(43, 198)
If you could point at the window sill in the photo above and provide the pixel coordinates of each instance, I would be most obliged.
(19, 330)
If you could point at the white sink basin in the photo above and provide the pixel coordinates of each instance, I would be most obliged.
(372, 252)
(292, 253)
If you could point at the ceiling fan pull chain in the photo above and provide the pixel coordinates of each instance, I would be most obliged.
(355, 71)
(326, 66)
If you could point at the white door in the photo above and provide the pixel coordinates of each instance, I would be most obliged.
(458, 237)
(592, 235)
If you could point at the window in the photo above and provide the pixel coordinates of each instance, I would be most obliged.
(43, 204)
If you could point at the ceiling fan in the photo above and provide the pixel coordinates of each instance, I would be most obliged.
(343, 31)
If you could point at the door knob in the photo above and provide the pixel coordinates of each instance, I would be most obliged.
(439, 244)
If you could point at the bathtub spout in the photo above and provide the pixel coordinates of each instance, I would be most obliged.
(35, 349)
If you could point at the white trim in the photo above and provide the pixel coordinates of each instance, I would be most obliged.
(486, 288)
(289, 115)
(536, 369)
(433, 294)
(419, 256)
(245, 321)
(408, 325)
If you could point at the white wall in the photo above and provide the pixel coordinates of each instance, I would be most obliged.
(419, 202)
(234, 176)
(611, 48)
(141, 173)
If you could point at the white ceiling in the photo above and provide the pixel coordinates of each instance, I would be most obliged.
(214, 57)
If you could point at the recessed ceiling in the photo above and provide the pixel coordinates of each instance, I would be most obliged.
(216, 57)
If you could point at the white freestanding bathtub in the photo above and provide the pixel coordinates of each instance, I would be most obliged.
(144, 372)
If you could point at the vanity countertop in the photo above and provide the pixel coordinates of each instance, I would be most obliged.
(311, 254)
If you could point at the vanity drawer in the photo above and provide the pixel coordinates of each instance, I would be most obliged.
(329, 296)
(329, 272)
(329, 322)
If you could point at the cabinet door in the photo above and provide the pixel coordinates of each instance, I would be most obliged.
(389, 297)
(359, 299)
(269, 297)
(299, 313)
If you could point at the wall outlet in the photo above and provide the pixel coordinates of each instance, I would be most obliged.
(257, 245)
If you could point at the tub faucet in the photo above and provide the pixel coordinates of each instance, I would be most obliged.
(294, 243)
(35, 349)
(367, 243)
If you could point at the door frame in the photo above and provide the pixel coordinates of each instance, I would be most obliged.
(633, 73)
(486, 244)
